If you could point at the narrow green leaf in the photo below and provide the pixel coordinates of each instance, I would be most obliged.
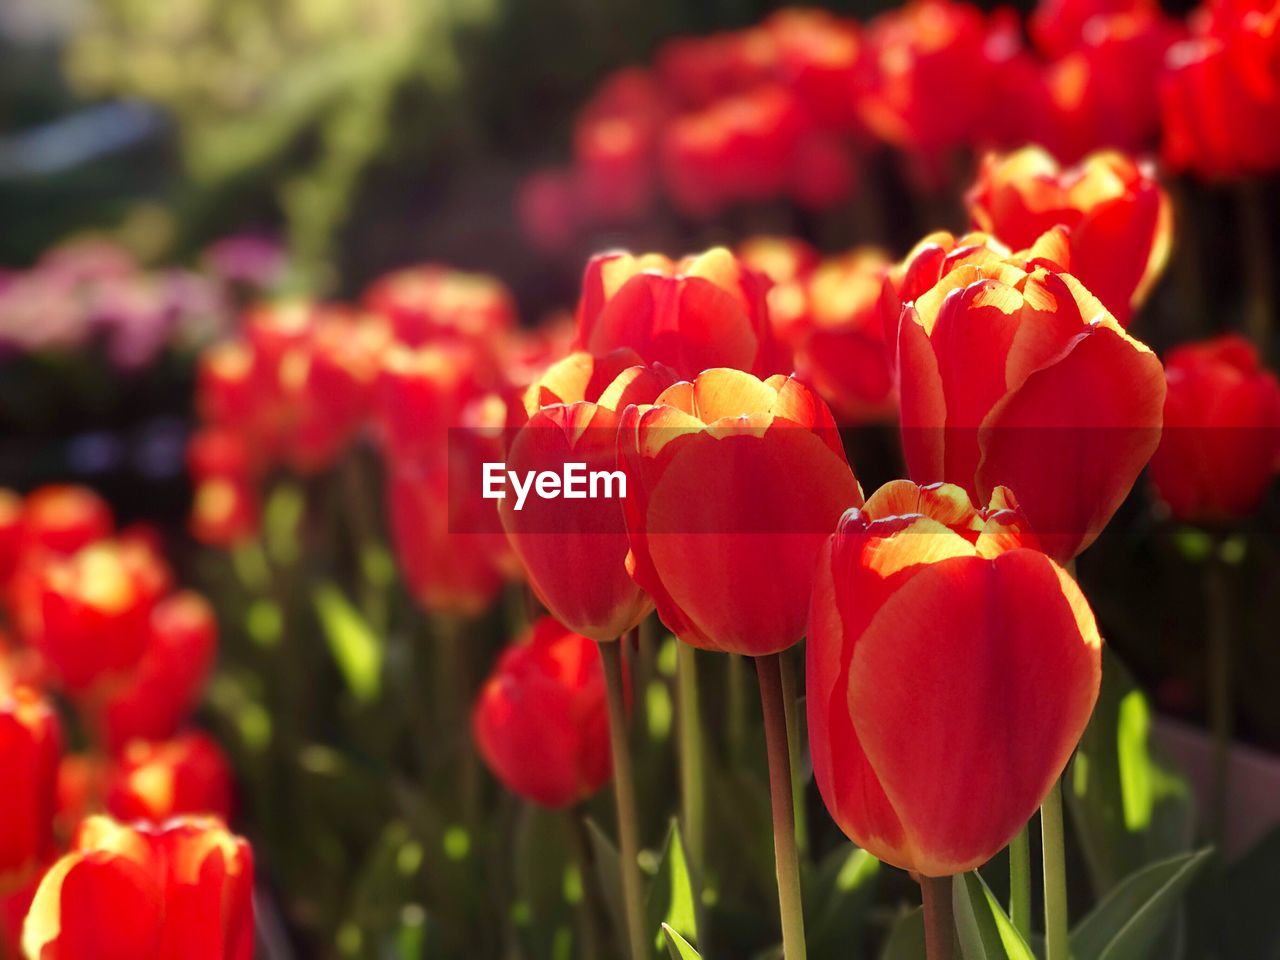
(986, 932)
(677, 946)
(906, 939)
(671, 900)
(609, 872)
(1130, 806)
(837, 898)
(1130, 920)
(355, 647)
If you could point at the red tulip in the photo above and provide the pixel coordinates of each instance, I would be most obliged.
(549, 209)
(447, 539)
(933, 75)
(162, 690)
(1059, 26)
(87, 614)
(1119, 218)
(540, 721)
(841, 349)
(58, 519)
(183, 889)
(704, 311)
(615, 155)
(157, 781)
(818, 55)
(733, 483)
(574, 550)
(30, 743)
(430, 303)
(13, 910)
(1220, 92)
(946, 660)
(1011, 373)
(1221, 441)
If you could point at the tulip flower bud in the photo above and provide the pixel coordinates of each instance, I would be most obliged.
(733, 485)
(705, 311)
(156, 781)
(30, 744)
(184, 888)
(61, 519)
(162, 690)
(574, 549)
(1118, 216)
(1011, 373)
(1221, 442)
(951, 669)
(540, 721)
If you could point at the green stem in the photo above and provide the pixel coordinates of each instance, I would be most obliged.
(588, 929)
(624, 796)
(453, 686)
(1055, 875)
(692, 766)
(1220, 705)
(1020, 882)
(784, 831)
(939, 918)
(737, 706)
(790, 703)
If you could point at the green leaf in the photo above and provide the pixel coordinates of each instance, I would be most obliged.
(1130, 920)
(986, 932)
(837, 897)
(906, 939)
(1130, 806)
(355, 647)
(671, 901)
(608, 872)
(677, 946)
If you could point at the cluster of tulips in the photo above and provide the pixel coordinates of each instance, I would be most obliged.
(791, 107)
(951, 661)
(114, 801)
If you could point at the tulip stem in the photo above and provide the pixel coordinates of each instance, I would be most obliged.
(692, 776)
(939, 918)
(624, 796)
(737, 705)
(790, 702)
(1216, 602)
(1257, 250)
(784, 830)
(581, 844)
(1020, 881)
(1055, 875)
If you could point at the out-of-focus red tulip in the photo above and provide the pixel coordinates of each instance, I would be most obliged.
(1011, 373)
(923, 609)
(614, 155)
(225, 509)
(30, 744)
(549, 210)
(156, 781)
(1220, 91)
(447, 539)
(162, 690)
(58, 519)
(540, 721)
(733, 484)
(1221, 442)
(823, 173)
(574, 550)
(932, 75)
(1098, 94)
(840, 349)
(1059, 26)
(183, 889)
(88, 613)
(423, 393)
(818, 56)
(704, 311)
(1120, 219)
(432, 303)
(787, 263)
(82, 779)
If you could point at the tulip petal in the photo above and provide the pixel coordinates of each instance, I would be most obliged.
(996, 702)
(1071, 441)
